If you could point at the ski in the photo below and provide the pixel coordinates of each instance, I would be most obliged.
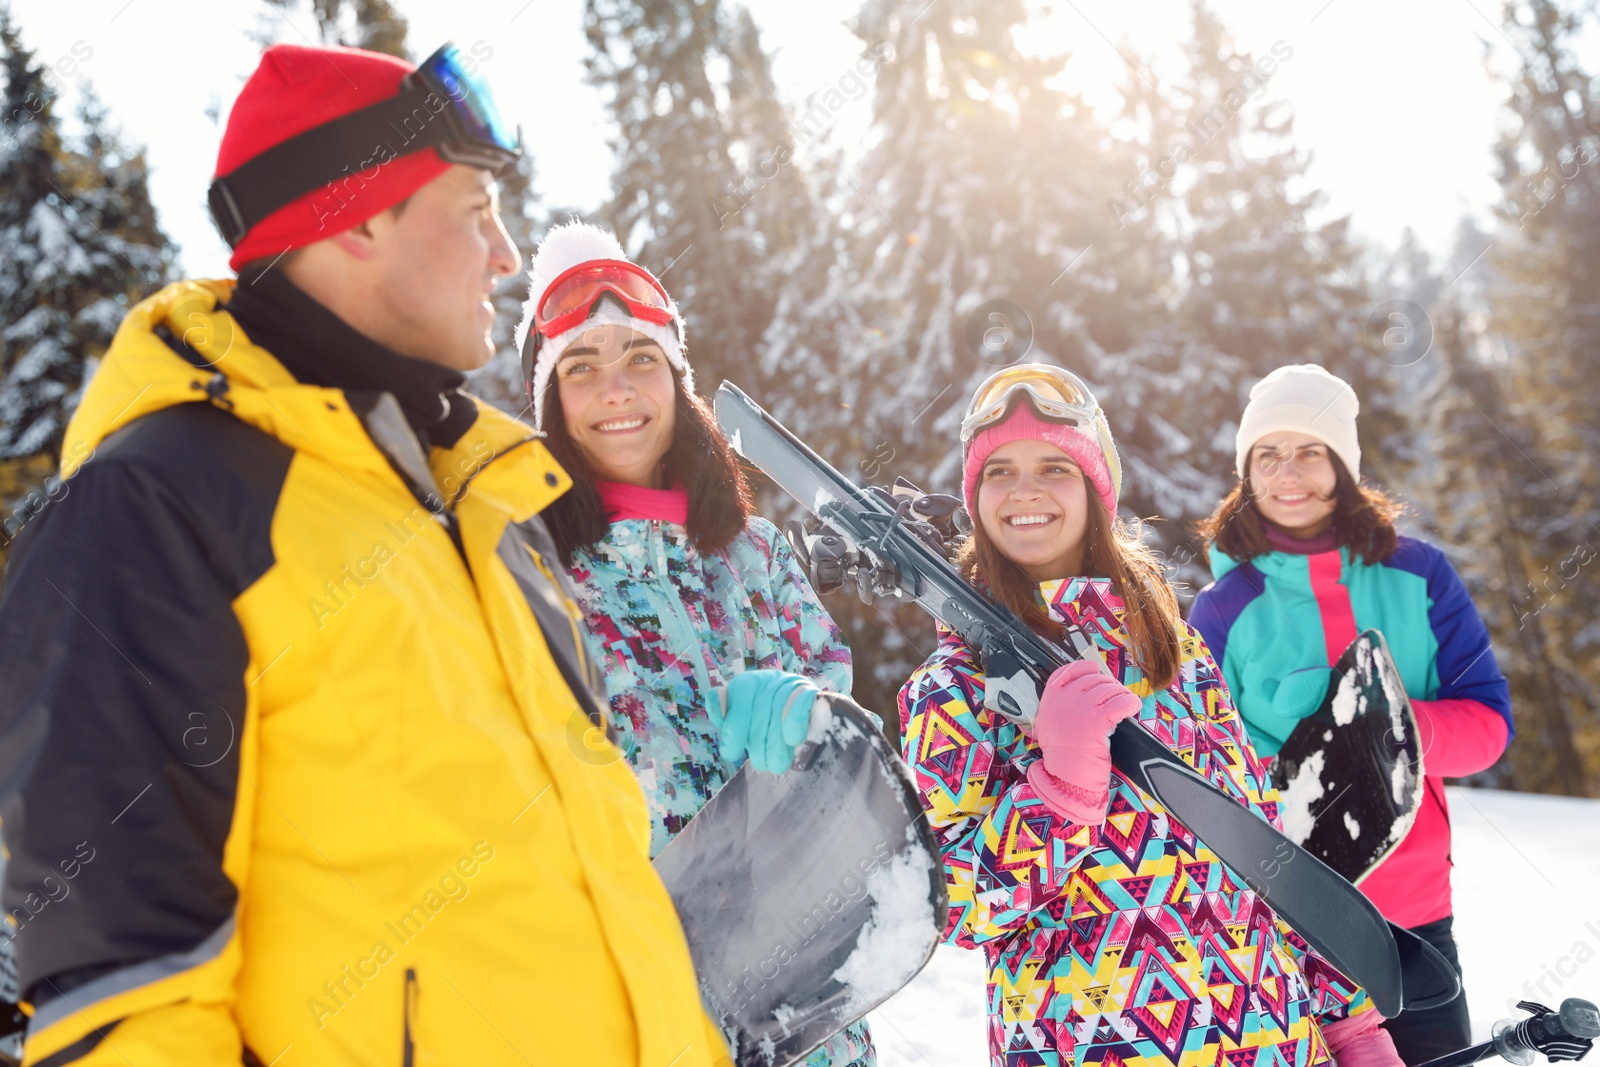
(1349, 777)
(809, 897)
(1330, 913)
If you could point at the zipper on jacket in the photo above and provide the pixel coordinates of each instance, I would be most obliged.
(408, 1050)
(658, 542)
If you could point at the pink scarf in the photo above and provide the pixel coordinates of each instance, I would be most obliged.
(621, 502)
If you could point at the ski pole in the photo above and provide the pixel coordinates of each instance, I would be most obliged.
(1567, 1034)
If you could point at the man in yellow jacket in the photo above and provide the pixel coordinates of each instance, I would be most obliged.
(298, 751)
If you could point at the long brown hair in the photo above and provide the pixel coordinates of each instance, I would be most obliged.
(1363, 519)
(1111, 549)
(699, 458)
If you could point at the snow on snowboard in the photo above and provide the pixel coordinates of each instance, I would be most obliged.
(810, 897)
(1350, 775)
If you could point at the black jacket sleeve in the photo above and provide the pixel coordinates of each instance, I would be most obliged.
(122, 695)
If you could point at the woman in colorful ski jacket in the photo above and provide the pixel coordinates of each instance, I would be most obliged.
(699, 617)
(1305, 558)
(1112, 933)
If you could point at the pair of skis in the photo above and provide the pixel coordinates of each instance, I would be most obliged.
(1394, 966)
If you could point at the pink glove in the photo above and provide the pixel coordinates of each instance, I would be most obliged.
(1361, 1042)
(1080, 706)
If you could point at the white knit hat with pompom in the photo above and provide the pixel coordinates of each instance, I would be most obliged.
(570, 245)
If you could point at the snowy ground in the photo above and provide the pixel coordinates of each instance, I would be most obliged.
(1527, 903)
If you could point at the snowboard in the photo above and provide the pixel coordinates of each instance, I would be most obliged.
(1349, 777)
(885, 547)
(809, 897)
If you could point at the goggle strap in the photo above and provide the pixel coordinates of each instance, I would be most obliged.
(322, 155)
(530, 358)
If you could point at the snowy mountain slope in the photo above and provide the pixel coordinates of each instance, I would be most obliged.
(1527, 905)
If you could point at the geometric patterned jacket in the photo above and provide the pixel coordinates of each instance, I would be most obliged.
(1123, 943)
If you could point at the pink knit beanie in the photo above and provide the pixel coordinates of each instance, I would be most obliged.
(1102, 466)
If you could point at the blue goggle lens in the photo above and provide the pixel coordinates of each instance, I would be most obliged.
(473, 103)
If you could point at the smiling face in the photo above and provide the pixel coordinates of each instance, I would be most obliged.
(1033, 502)
(1292, 481)
(618, 402)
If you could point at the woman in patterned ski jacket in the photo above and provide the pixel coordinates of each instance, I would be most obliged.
(1113, 935)
(1305, 558)
(701, 620)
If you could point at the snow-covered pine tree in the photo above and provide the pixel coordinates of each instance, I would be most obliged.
(1261, 283)
(1166, 388)
(1546, 270)
(1493, 514)
(981, 184)
(970, 235)
(371, 24)
(705, 192)
(80, 245)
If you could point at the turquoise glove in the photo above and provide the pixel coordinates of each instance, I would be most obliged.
(1301, 693)
(765, 714)
(1296, 696)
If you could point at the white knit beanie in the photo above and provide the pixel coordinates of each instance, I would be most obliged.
(1305, 399)
(564, 247)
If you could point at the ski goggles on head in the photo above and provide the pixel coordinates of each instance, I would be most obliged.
(441, 105)
(1054, 393)
(569, 299)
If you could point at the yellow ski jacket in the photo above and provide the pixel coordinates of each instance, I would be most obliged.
(307, 766)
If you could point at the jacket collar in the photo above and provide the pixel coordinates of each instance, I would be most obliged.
(622, 503)
(1091, 605)
(141, 373)
(1066, 599)
(319, 348)
(1272, 564)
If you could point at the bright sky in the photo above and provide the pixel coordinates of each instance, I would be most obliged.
(1392, 97)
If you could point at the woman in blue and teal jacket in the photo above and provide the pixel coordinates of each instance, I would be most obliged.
(1305, 558)
(711, 641)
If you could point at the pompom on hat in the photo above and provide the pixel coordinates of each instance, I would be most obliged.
(296, 88)
(565, 247)
(1302, 398)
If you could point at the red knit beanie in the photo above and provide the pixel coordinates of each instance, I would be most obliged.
(295, 88)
